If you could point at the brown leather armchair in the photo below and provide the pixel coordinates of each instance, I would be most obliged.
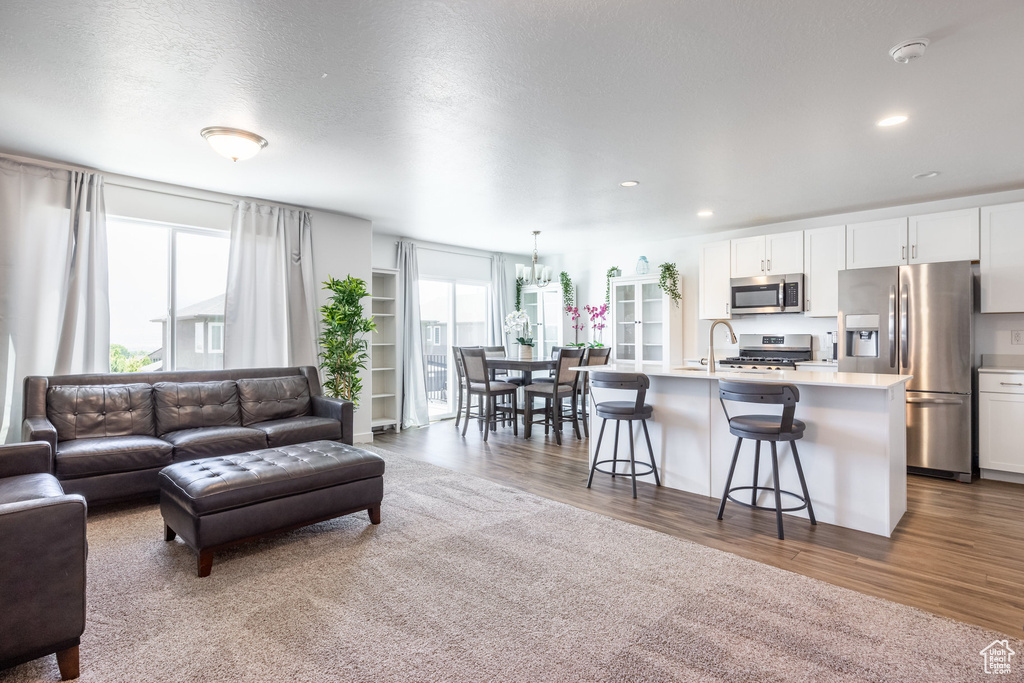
(42, 561)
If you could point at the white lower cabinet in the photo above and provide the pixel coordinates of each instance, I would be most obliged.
(1000, 414)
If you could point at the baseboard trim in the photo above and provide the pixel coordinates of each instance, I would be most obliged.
(363, 437)
(999, 475)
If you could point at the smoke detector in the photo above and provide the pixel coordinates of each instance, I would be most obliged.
(908, 50)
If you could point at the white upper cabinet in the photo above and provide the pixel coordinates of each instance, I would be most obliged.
(784, 253)
(1002, 258)
(778, 254)
(713, 288)
(824, 257)
(946, 236)
(877, 243)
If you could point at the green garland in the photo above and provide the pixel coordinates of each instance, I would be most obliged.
(608, 284)
(567, 294)
(669, 281)
(519, 293)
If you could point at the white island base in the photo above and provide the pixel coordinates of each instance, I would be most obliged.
(853, 452)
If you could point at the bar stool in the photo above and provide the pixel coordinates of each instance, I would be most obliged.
(623, 411)
(771, 428)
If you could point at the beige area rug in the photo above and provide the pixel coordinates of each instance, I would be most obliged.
(468, 580)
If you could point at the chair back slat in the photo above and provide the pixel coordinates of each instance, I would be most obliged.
(626, 381)
(460, 371)
(474, 362)
(599, 356)
(786, 395)
(568, 359)
(494, 351)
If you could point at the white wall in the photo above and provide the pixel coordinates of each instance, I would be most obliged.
(587, 269)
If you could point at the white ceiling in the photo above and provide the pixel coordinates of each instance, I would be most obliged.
(475, 122)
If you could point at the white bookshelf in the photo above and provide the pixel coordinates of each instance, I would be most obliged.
(384, 350)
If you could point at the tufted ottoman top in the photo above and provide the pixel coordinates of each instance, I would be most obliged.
(230, 481)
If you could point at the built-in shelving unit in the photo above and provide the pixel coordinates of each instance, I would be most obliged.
(384, 350)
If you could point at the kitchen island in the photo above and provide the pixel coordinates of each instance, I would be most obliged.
(853, 452)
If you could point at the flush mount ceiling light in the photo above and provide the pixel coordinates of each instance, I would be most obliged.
(629, 183)
(705, 213)
(892, 121)
(908, 50)
(926, 174)
(233, 143)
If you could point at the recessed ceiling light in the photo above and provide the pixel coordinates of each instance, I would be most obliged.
(233, 143)
(629, 183)
(926, 174)
(892, 121)
(705, 213)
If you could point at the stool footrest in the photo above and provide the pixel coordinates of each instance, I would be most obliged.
(649, 468)
(766, 507)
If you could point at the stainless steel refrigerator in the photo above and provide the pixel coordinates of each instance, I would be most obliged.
(916, 320)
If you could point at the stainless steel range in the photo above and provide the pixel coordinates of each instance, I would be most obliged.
(770, 352)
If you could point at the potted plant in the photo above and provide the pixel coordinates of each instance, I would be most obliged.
(577, 325)
(567, 294)
(518, 322)
(597, 314)
(343, 344)
(519, 293)
(612, 272)
(669, 281)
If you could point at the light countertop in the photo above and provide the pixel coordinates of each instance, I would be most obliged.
(1001, 371)
(853, 380)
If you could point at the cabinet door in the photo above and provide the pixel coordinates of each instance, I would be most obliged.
(748, 258)
(624, 321)
(713, 287)
(652, 323)
(551, 321)
(999, 443)
(877, 244)
(946, 236)
(824, 257)
(1002, 258)
(784, 253)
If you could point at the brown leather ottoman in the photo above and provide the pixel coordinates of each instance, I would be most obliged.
(217, 502)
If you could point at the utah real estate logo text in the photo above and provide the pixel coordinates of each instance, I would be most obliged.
(997, 657)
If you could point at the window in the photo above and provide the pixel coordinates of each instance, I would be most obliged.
(167, 286)
(437, 335)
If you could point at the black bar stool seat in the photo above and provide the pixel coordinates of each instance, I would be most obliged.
(771, 428)
(611, 410)
(623, 411)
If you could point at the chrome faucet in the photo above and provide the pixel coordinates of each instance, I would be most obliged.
(711, 343)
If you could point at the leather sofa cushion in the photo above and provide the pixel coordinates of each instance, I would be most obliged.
(273, 398)
(186, 405)
(90, 411)
(215, 484)
(107, 455)
(207, 442)
(299, 430)
(29, 487)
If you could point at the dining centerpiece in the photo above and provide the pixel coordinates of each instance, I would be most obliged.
(518, 323)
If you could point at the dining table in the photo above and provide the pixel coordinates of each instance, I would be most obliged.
(525, 366)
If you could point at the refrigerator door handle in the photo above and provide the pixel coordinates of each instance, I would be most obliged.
(938, 401)
(904, 332)
(892, 326)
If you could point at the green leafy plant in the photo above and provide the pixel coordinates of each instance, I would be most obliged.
(123, 360)
(612, 272)
(344, 346)
(519, 293)
(669, 281)
(568, 299)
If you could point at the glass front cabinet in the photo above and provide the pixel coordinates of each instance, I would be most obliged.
(646, 325)
(544, 307)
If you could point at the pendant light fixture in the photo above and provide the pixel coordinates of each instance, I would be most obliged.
(537, 271)
(233, 143)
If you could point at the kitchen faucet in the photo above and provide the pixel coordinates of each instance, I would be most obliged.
(711, 343)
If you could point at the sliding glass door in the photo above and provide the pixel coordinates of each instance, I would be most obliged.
(452, 313)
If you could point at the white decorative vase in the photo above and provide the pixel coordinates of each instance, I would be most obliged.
(525, 352)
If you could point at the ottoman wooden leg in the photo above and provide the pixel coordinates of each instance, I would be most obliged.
(205, 562)
(374, 514)
(168, 533)
(67, 662)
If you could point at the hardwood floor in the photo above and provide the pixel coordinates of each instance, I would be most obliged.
(958, 552)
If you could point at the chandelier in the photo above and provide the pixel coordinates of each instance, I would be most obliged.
(536, 274)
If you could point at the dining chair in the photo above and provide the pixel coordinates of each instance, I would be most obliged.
(598, 356)
(480, 384)
(553, 393)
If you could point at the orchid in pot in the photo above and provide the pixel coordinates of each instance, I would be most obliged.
(577, 325)
(518, 323)
(597, 314)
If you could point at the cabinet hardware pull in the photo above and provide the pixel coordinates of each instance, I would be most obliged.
(913, 251)
(769, 264)
(903, 252)
(762, 265)
(1010, 384)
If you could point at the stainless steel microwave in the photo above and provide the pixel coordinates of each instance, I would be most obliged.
(767, 294)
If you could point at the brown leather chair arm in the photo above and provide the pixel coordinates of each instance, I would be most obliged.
(25, 458)
(336, 409)
(39, 429)
(43, 555)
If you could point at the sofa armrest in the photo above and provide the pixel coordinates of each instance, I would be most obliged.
(39, 429)
(43, 554)
(26, 458)
(337, 409)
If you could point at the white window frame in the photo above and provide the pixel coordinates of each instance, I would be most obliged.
(200, 333)
(216, 348)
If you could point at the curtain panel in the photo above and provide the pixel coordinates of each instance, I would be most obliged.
(270, 307)
(54, 299)
(499, 292)
(414, 409)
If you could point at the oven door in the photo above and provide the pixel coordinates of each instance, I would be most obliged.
(756, 295)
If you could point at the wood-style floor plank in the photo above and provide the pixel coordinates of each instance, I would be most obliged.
(958, 552)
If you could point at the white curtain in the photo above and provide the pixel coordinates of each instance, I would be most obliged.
(415, 412)
(499, 290)
(270, 308)
(54, 302)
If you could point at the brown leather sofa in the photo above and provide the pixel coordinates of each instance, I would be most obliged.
(112, 433)
(42, 561)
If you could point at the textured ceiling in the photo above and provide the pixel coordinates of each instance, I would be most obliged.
(475, 122)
